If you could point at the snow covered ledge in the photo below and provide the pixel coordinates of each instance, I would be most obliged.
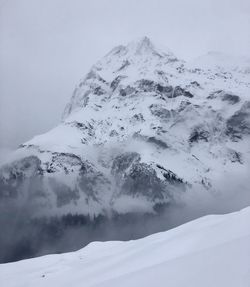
(213, 251)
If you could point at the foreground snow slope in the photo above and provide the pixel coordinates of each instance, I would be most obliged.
(211, 251)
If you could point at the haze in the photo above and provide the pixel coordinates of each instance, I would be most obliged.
(46, 46)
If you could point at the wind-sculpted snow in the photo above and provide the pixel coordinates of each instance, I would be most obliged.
(141, 129)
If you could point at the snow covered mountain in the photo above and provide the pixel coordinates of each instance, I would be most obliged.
(211, 251)
(141, 127)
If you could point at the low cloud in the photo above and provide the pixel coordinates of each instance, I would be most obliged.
(22, 237)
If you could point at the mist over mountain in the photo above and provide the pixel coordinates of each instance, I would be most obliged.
(198, 253)
(146, 137)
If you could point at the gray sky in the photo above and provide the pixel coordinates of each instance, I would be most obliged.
(46, 46)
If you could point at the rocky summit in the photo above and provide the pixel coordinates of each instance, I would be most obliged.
(141, 128)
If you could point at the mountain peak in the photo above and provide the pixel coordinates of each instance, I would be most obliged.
(144, 45)
(140, 47)
(144, 40)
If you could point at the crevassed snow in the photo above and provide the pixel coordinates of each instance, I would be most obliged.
(213, 251)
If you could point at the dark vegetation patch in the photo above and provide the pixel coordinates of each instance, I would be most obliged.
(22, 237)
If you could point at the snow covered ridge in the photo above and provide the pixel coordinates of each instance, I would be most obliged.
(210, 251)
(141, 128)
(142, 131)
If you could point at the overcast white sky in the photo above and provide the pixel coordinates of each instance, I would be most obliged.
(46, 46)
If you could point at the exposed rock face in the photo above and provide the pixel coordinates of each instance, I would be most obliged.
(238, 125)
(141, 129)
(224, 96)
(232, 99)
(17, 174)
(141, 124)
(142, 180)
(199, 134)
(123, 162)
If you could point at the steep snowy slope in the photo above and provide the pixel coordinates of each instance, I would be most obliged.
(211, 251)
(142, 126)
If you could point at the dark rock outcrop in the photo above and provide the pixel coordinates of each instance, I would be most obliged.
(238, 125)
